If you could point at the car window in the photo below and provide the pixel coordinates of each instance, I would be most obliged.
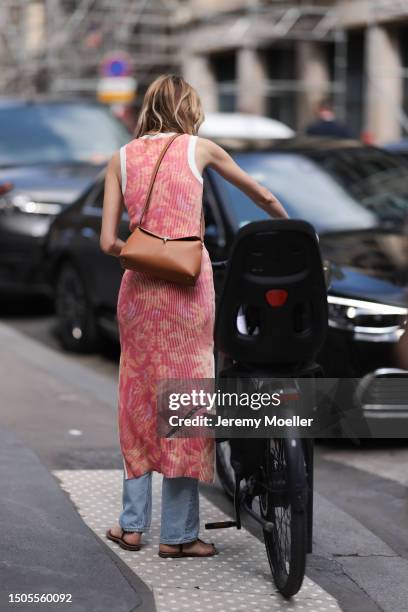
(376, 179)
(214, 227)
(208, 207)
(95, 197)
(98, 200)
(94, 202)
(58, 133)
(353, 190)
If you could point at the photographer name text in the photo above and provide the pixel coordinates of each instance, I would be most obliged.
(254, 422)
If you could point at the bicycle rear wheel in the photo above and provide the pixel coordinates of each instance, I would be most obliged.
(284, 503)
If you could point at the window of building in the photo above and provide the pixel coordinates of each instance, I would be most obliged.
(280, 69)
(224, 67)
(355, 81)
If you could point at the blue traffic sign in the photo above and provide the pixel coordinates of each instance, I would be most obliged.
(116, 65)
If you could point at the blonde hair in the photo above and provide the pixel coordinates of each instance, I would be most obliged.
(170, 105)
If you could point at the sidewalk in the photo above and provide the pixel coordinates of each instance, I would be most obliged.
(237, 579)
(46, 547)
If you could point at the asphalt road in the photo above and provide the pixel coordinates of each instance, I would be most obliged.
(362, 491)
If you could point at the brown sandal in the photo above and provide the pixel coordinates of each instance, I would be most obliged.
(122, 543)
(181, 553)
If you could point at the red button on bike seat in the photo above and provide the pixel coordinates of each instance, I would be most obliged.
(276, 297)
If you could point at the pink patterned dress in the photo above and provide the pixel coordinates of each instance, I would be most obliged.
(166, 330)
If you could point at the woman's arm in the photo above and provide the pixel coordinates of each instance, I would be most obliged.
(112, 209)
(210, 154)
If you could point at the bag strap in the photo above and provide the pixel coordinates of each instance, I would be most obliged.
(151, 185)
(154, 174)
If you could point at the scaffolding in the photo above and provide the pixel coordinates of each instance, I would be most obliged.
(57, 46)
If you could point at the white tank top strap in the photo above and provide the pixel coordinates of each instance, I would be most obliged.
(123, 174)
(192, 143)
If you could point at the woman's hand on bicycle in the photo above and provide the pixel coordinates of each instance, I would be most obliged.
(270, 204)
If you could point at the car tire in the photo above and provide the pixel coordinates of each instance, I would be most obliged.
(76, 322)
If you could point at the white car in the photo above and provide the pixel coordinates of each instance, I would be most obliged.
(243, 126)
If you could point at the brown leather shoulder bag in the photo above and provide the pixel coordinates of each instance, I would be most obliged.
(177, 260)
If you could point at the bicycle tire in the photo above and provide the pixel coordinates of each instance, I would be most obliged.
(288, 562)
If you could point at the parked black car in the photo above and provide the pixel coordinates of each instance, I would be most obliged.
(355, 196)
(51, 151)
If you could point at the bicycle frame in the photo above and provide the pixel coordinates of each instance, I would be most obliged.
(243, 498)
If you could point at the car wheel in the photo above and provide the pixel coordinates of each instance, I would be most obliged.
(76, 323)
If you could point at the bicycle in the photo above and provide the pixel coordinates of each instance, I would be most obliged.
(269, 261)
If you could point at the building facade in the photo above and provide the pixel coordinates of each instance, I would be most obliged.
(272, 57)
(282, 58)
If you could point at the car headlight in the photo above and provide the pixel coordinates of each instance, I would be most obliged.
(369, 321)
(25, 204)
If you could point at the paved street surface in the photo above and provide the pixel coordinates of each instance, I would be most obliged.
(64, 409)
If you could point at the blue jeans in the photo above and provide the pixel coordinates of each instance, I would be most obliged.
(180, 521)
